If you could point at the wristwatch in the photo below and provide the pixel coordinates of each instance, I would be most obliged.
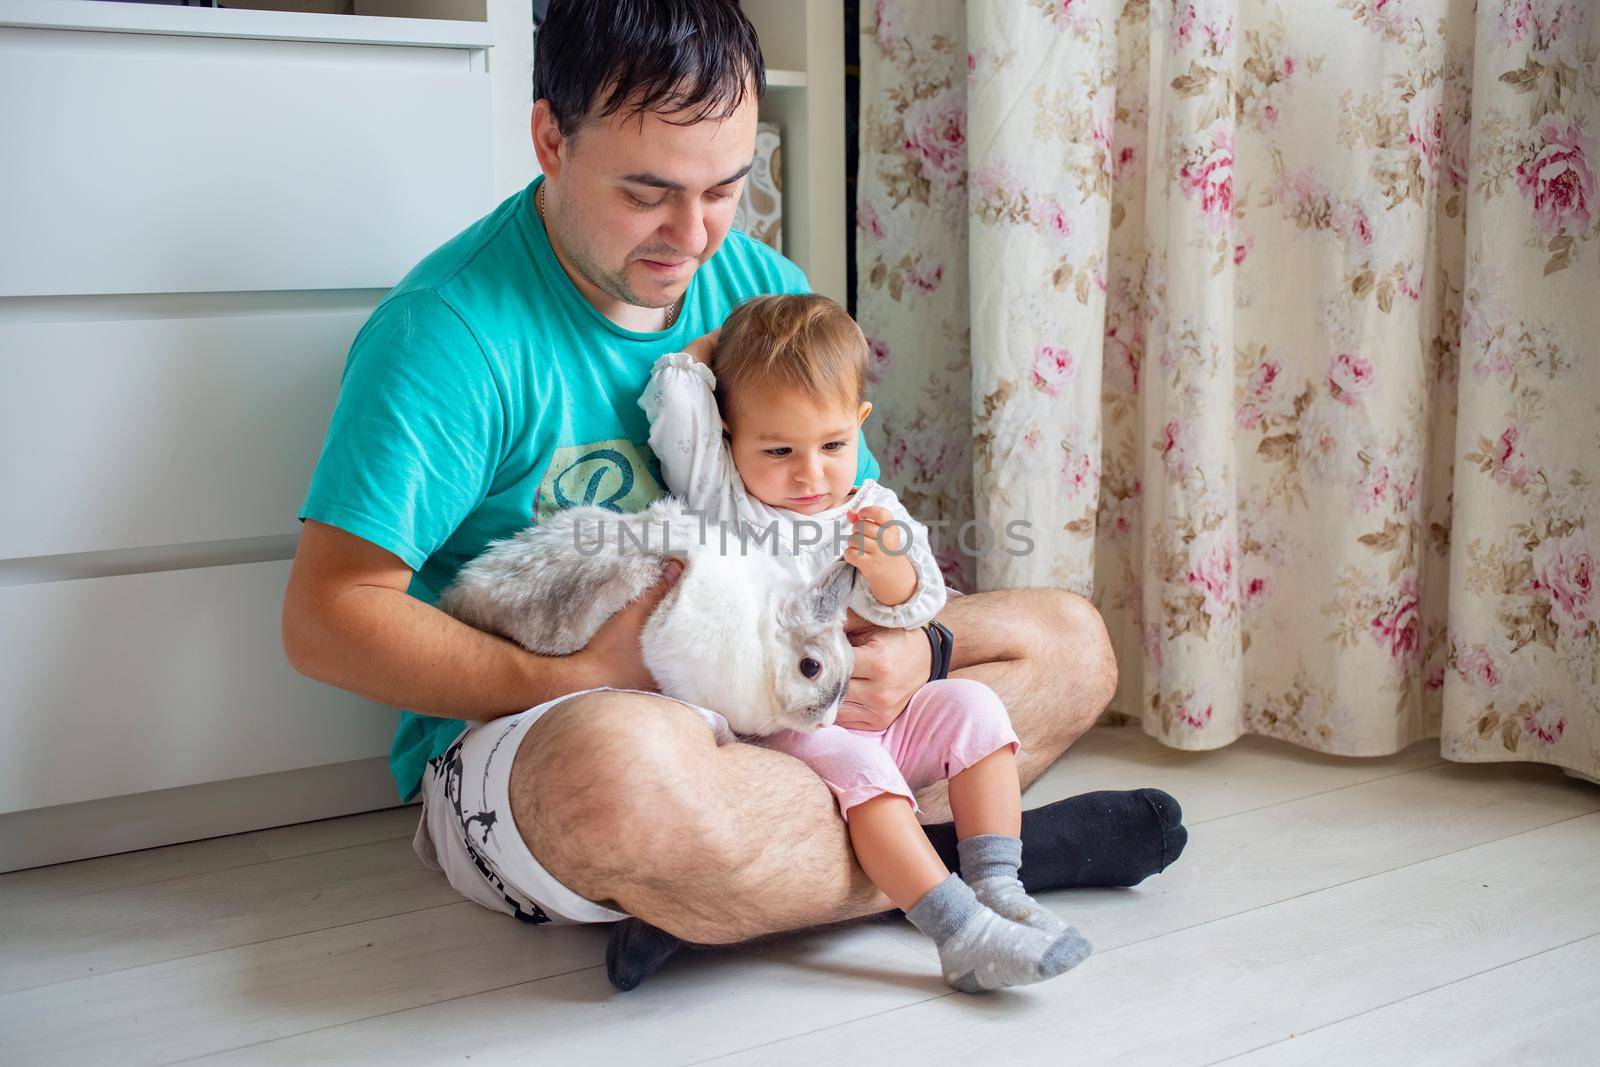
(943, 644)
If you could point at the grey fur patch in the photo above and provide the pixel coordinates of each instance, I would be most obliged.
(550, 587)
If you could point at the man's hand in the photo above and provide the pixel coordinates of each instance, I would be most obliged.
(703, 346)
(890, 666)
(612, 656)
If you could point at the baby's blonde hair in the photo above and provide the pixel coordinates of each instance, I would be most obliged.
(799, 339)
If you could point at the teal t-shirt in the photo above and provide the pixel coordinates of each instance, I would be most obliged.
(485, 392)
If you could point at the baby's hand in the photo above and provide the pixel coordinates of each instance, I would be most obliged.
(873, 538)
(703, 346)
(877, 550)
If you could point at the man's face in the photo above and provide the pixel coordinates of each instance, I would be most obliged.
(643, 202)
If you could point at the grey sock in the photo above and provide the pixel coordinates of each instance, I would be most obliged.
(980, 950)
(989, 864)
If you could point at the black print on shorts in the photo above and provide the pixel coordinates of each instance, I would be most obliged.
(450, 767)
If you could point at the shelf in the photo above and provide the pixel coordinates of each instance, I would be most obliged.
(786, 79)
(106, 17)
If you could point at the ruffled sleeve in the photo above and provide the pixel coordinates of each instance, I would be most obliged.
(686, 429)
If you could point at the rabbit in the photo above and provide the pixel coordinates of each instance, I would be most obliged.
(736, 634)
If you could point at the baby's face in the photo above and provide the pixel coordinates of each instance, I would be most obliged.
(790, 451)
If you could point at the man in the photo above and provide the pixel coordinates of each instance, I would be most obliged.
(498, 382)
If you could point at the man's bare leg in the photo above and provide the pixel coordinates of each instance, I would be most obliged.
(1046, 653)
(627, 798)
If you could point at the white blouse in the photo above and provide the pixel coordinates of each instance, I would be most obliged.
(686, 436)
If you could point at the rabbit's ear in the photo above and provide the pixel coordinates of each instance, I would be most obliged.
(825, 599)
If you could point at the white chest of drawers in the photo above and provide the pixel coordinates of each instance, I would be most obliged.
(197, 211)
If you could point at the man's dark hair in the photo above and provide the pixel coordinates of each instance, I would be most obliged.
(594, 58)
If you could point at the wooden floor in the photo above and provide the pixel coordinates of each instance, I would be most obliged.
(1398, 909)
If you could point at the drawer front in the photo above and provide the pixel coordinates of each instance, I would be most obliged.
(163, 431)
(149, 681)
(145, 164)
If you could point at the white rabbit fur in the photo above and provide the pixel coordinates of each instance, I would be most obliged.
(733, 634)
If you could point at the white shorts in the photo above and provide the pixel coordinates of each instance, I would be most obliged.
(468, 832)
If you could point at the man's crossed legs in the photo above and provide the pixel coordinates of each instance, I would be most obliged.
(627, 799)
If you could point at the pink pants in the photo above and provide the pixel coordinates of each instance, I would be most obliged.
(948, 726)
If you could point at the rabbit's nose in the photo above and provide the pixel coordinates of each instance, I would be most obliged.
(810, 667)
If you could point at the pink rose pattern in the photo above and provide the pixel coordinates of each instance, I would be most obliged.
(925, 277)
(1510, 459)
(1194, 713)
(1052, 369)
(1564, 575)
(1547, 723)
(1349, 377)
(1426, 129)
(1207, 177)
(1397, 627)
(878, 360)
(1478, 667)
(1080, 466)
(936, 135)
(1213, 570)
(1558, 178)
(1282, 494)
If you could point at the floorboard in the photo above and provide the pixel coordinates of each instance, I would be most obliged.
(1325, 907)
(1538, 1009)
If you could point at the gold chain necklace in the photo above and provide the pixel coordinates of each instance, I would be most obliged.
(672, 312)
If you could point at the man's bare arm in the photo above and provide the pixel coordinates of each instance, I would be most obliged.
(348, 621)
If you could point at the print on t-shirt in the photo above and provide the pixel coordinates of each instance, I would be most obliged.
(614, 474)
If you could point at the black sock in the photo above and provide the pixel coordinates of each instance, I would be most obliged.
(1109, 838)
(636, 951)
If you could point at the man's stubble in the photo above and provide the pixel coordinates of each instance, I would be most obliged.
(614, 283)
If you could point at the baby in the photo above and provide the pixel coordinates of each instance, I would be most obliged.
(757, 424)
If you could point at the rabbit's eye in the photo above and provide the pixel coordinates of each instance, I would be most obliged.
(810, 667)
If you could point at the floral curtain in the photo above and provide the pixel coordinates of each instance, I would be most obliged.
(1274, 327)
